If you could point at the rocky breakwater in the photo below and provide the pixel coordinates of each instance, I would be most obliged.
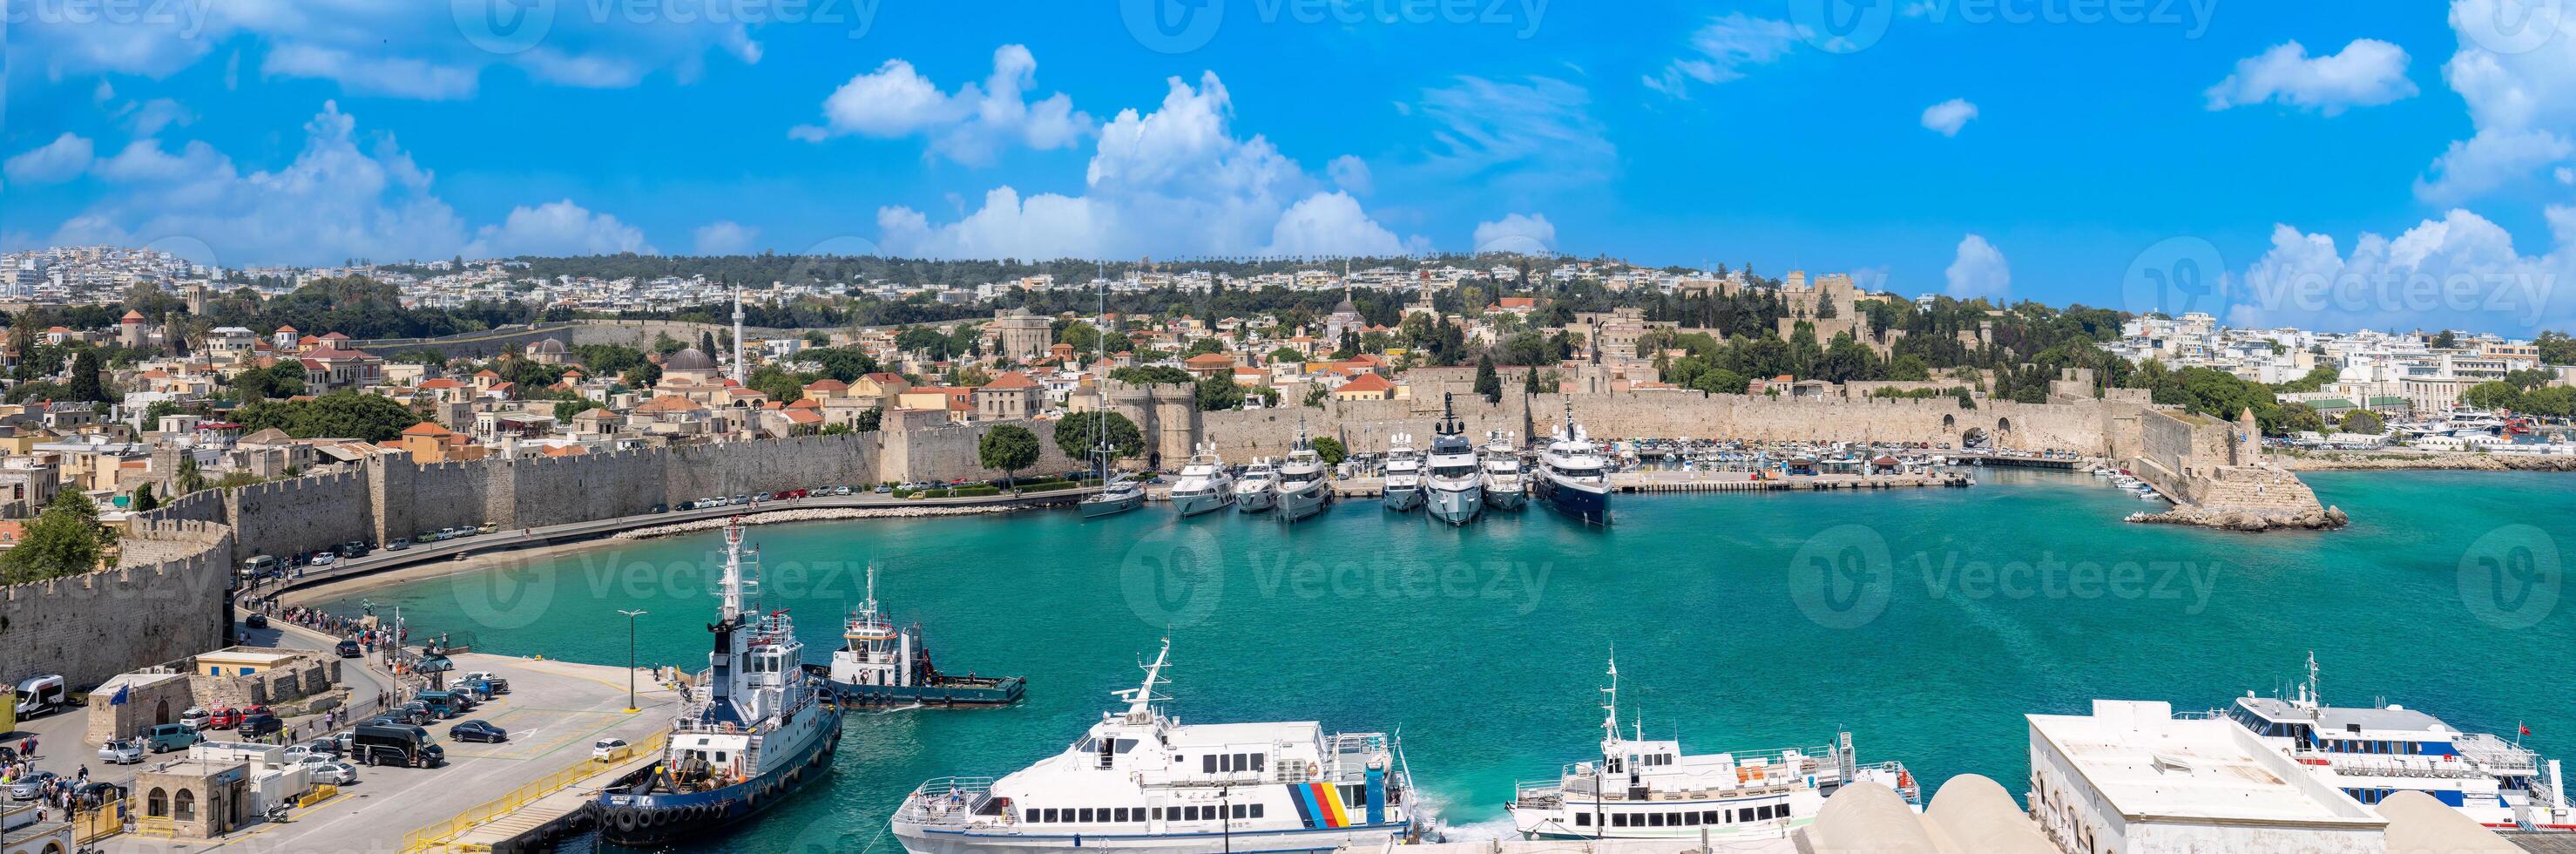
(2249, 498)
(2313, 519)
(2431, 460)
(814, 514)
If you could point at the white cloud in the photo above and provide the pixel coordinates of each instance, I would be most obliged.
(2566, 176)
(367, 74)
(1330, 224)
(1525, 137)
(1174, 181)
(1947, 117)
(1351, 174)
(556, 228)
(725, 237)
(2368, 73)
(54, 162)
(104, 93)
(2459, 271)
(2521, 101)
(150, 117)
(1979, 270)
(1722, 48)
(1529, 234)
(969, 126)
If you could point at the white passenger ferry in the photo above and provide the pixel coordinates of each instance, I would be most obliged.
(1641, 789)
(2371, 753)
(1140, 781)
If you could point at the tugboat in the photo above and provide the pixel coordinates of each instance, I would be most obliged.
(1403, 474)
(1505, 487)
(1139, 781)
(1572, 477)
(1640, 789)
(1259, 487)
(754, 728)
(1205, 485)
(887, 666)
(1303, 490)
(1456, 485)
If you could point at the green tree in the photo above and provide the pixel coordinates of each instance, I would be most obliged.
(1330, 449)
(63, 541)
(1529, 382)
(2365, 422)
(837, 429)
(84, 381)
(2297, 417)
(159, 409)
(868, 420)
(2493, 394)
(1287, 354)
(1009, 447)
(1144, 374)
(345, 414)
(566, 409)
(1219, 393)
(1488, 383)
(143, 499)
(191, 478)
(1074, 435)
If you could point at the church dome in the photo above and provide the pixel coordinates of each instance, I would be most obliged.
(691, 359)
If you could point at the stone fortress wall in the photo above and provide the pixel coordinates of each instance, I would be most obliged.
(164, 601)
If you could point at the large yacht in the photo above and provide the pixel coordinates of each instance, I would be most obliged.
(1205, 484)
(1456, 484)
(2371, 752)
(1303, 489)
(1141, 781)
(1403, 474)
(1642, 789)
(1505, 486)
(1572, 477)
(1258, 489)
(887, 665)
(754, 729)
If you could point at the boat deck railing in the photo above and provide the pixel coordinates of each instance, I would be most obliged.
(2496, 753)
(2427, 767)
(946, 801)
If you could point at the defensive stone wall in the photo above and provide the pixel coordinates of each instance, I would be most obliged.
(164, 602)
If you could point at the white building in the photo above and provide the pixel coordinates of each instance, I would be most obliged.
(2133, 779)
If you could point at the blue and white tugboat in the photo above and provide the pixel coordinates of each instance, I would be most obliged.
(1456, 486)
(1140, 782)
(884, 665)
(1572, 476)
(754, 728)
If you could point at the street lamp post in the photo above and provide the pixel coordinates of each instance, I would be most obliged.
(631, 708)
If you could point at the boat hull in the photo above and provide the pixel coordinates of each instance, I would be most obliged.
(1360, 838)
(1294, 505)
(1590, 507)
(990, 692)
(1403, 499)
(1192, 505)
(1254, 502)
(1457, 506)
(1504, 499)
(656, 820)
(1094, 508)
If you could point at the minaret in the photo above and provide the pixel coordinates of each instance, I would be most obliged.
(737, 335)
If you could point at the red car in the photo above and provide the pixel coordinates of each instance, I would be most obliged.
(224, 718)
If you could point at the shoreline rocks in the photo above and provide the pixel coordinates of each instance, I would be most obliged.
(2227, 519)
(2430, 462)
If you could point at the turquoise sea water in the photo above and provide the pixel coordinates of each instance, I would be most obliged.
(1927, 622)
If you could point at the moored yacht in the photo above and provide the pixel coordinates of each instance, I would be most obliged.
(1205, 484)
(1505, 487)
(755, 728)
(1258, 488)
(1572, 477)
(1303, 489)
(1142, 781)
(1403, 474)
(1641, 789)
(1456, 484)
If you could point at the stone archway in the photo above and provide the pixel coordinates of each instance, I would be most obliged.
(1949, 423)
(161, 712)
(157, 804)
(2003, 431)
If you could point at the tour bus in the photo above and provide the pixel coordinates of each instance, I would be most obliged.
(42, 694)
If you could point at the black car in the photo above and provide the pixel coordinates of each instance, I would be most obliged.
(354, 548)
(256, 621)
(254, 726)
(350, 649)
(476, 730)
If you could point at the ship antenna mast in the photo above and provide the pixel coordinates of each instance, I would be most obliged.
(1140, 699)
(1610, 723)
(2313, 698)
(732, 581)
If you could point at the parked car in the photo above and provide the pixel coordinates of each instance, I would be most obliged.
(168, 737)
(26, 788)
(478, 730)
(499, 685)
(741, 499)
(196, 719)
(399, 544)
(417, 712)
(661, 508)
(330, 770)
(259, 725)
(255, 621)
(326, 746)
(225, 717)
(606, 749)
(840, 490)
(883, 489)
(487, 527)
(121, 751)
(325, 558)
(349, 649)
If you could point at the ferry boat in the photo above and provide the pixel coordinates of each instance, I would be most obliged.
(888, 666)
(1505, 487)
(1642, 789)
(1571, 475)
(1140, 781)
(1456, 485)
(1259, 487)
(2370, 753)
(1205, 484)
(1403, 474)
(1303, 489)
(755, 729)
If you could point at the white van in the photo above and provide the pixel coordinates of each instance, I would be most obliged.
(42, 694)
(256, 567)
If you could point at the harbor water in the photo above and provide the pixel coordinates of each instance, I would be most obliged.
(1926, 622)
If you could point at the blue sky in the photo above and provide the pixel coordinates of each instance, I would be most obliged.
(2062, 150)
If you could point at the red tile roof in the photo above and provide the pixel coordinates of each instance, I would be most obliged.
(1368, 382)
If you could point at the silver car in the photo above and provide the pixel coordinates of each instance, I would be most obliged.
(325, 769)
(26, 788)
(121, 752)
